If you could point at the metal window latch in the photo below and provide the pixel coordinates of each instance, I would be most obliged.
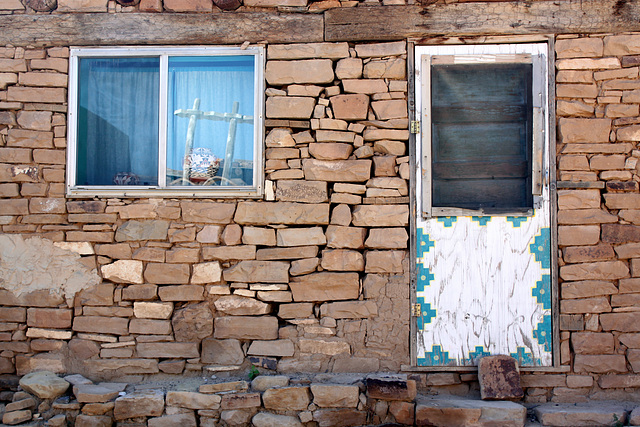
(416, 310)
(415, 126)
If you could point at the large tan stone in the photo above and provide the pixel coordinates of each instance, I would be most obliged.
(335, 396)
(325, 286)
(337, 171)
(387, 238)
(588, 253)
(148, 403)
(620, 233)
(282, 213)
(181, 293)
(587, 289)
(300, 236)
(167, 273)
(207, 212)
(340, 237)
(602, 363)
(142, 230)
(123, 271)
(221, 352)
(366, 86)
(377, 50)
(295, 252)
(121, 367)
(342, 260)
(330, 151)
(308, 51)
(207, 272)
(629, 133)
(101, 325)
(312, 71)
(266, 419)
(258, 271)
(152, 310)
(154, 350)
(578, 199)
(622, 322)
(606, 270)
(349, 309)
(246, 327)
(287, 398)
(384, 261)
(592, 342)
(350, 106)
(289, 107)
(149, 327)
(588, 64)
(390, 109)
(193, 400)
(584, 130)
(394, 68)
(49, 318)
(275, 348)
(349, 68)
(585, 305)
(44, 384)
(227, 253)
(585, 47)
(301, 191)
(624, 44)
(188, 6)
(578, 235)
(381, 215)
(234, 305)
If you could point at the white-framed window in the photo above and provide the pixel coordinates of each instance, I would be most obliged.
(166, 121)
(483, 115)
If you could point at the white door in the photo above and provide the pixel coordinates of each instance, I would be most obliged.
(483, 208)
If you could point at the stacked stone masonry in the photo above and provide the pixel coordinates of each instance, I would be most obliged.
(314, 277)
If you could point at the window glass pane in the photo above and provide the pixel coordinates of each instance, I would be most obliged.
(210, 128)
(481, 135)
(118, 121)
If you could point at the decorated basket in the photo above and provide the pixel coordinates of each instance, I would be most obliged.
(201, 164)
(126, 178)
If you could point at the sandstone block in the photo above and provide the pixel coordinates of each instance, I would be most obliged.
(95, 393)
(302, 191)
(167, 273)
(308, 51)
(227, 253)
(395, 68)
(618, 45)
(101, 325)
(222, 352)
(391, 388)
(142, 230)
(623, 322)
(49, 318)
(592, 342)
(208, 212)
(295, 252)
(335, 396)
(606, 270)
(577, 91)
(578, 235)
(381, 216)
(167, 350)
(192, 323)
(312, 71)
(342, 260)
(350, 107)
(122, 366)
(349, 309)
(463, 412)
(330, 151)
(620, 233)
(181, 293)
(234, 305)
(384, 261)
(240, 401)
(588, 253)
(188, 6)
(349, 68)
(149, 327)
(602, 363)
(208, 272)
(244, 327)
(295, 310)
(337, 171)
(329, 348)
(187, 419)
(259, 236)
(300, 236)
(390, 109)
(139, 292)
(340, 237)
(266, 419)
(139, 404)
(586, 47)
(588, 64)
(377, 50)
(44, 384)
(193, 400)
(276, 348)
(325, 286)
(290, 107)
(258, 271)
(366, 86)
(356, 365)
(37, 95)
(585, 305)
(587, 288)
(578, 199)
(16, 417)
(572, 130)
(287, 398)
(571, 415)
(123, 271)
(282, 213)
(387, 238)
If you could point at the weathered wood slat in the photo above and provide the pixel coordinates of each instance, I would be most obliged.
(481, 18)
(83, 29)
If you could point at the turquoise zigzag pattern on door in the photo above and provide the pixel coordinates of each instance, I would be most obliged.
(542, 292)
(424, 277)
(447, 221)
(541, 247)
(517, 221)
(424, 243)
(475, 355)
(482, 220)
(543, 332)
(436, 357)
(426, 313)
(524, 358)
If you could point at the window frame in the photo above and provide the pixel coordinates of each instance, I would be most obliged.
(163, 53)
(489, 53)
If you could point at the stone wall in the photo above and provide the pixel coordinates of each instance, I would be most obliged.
(313, 278)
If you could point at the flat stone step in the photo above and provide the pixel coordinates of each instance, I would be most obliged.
(452, 411)
(586, 414)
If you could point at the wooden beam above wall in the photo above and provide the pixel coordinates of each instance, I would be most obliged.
(482, 18)
(83, 29)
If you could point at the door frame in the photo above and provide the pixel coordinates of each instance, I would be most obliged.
(414, 117)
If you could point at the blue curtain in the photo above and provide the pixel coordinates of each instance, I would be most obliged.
(118, 121)
(218, 82)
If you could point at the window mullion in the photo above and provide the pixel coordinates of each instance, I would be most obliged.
(162, 122)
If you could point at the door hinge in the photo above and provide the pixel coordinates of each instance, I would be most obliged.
(415, 126)
(416, 310)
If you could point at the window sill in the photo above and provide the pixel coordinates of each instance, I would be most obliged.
(151, 192)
